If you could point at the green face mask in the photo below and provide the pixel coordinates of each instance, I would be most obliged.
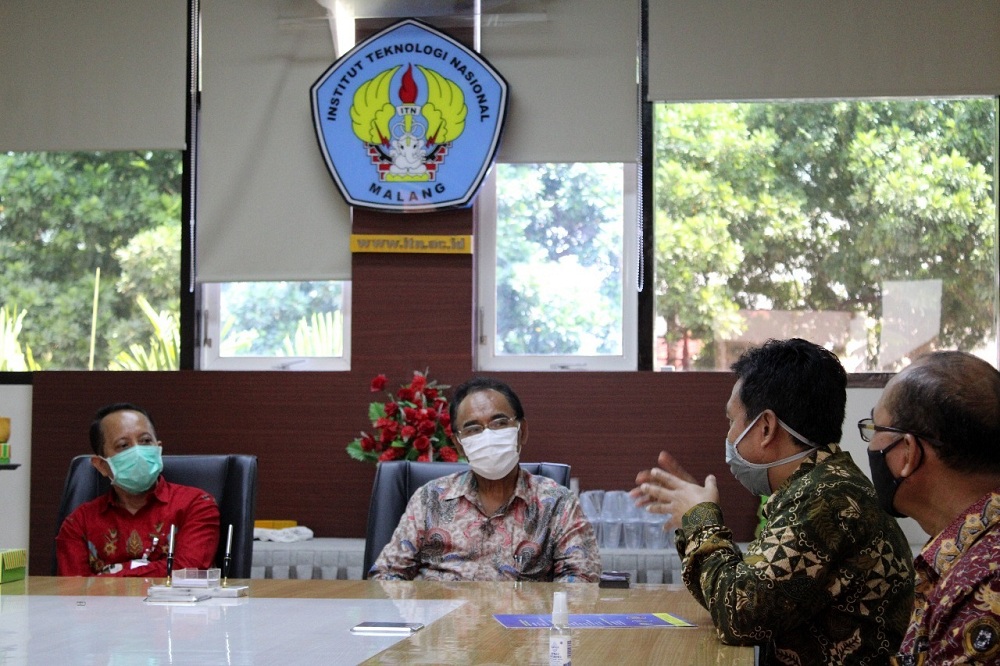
(136, 469)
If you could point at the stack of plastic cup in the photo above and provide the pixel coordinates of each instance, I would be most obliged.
(616, 503)
(653, 529)
(633, 525)
(591, 501)
(619, 523)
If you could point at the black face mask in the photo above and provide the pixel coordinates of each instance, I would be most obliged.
(883, 480)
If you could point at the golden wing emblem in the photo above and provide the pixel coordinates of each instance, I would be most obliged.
(444, 109)
(372, 109)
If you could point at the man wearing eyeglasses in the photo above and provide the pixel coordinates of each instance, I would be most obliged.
(829, 578)
(495, 521)
(934, 451)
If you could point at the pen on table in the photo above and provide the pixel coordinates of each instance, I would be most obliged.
(228, 559)
(170, 555)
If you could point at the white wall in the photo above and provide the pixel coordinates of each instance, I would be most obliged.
(859, 405)
(15, 403)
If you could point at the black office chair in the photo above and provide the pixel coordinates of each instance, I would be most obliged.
(231, 480)
(397, 480)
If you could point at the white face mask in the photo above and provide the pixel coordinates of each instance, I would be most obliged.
(492, 453)
(753, 476)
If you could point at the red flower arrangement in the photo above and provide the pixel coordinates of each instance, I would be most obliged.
(413, 424)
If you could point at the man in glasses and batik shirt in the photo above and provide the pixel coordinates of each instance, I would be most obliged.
(494, 521)
(934, 451)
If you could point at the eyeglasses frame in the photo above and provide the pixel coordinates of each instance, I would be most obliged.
(868, 424)
(511, 423)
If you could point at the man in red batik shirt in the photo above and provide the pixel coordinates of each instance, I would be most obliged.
(126, 532)
(935, 455)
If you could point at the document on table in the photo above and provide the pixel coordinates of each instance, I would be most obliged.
(596, 621)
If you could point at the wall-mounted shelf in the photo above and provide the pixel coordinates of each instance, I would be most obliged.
(10, 466)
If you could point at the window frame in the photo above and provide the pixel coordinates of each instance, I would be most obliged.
(211, 336)
(485, 356)
(647, 297)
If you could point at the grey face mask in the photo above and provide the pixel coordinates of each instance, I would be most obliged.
(753, 476)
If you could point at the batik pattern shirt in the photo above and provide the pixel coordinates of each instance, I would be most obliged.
(956, 614)
(828, 581)
(539, 534)
(101, 537)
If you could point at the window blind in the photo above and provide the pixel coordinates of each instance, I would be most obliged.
(571, 66)
(92, 74)
(787, 49)
(267, 206)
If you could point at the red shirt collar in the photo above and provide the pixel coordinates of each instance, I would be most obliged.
(158, 493)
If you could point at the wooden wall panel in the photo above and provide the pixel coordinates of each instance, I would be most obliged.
(608, 426)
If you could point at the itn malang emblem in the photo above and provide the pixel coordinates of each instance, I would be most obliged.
(405, 140)
(409, 120)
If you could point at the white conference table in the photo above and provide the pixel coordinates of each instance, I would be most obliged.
(49, 620)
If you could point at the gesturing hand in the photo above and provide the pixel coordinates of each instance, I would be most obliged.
(669, 488)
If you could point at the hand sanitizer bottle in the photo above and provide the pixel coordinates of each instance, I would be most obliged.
(560, 639)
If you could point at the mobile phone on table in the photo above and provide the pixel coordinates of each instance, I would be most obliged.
(386, 628)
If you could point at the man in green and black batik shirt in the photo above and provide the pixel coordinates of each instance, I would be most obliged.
(829, 579)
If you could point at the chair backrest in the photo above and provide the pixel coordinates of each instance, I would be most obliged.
(231, 479)
(397, 480)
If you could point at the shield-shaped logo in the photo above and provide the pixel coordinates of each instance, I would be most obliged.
(409, 120)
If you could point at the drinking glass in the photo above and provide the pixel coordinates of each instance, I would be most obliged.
(591, 501)
(613, 514)
(653, 528)
(633, 525)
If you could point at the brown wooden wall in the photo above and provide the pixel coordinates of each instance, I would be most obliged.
(409, 312)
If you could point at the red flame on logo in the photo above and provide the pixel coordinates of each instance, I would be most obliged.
(408, 89)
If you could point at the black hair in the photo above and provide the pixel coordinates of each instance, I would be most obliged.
(477, 384)
(803, 383)
(96, 429)
(954, 398)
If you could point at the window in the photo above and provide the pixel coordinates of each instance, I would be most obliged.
(90, 248)
(277, 326)
(868, 226)
(557, 271)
